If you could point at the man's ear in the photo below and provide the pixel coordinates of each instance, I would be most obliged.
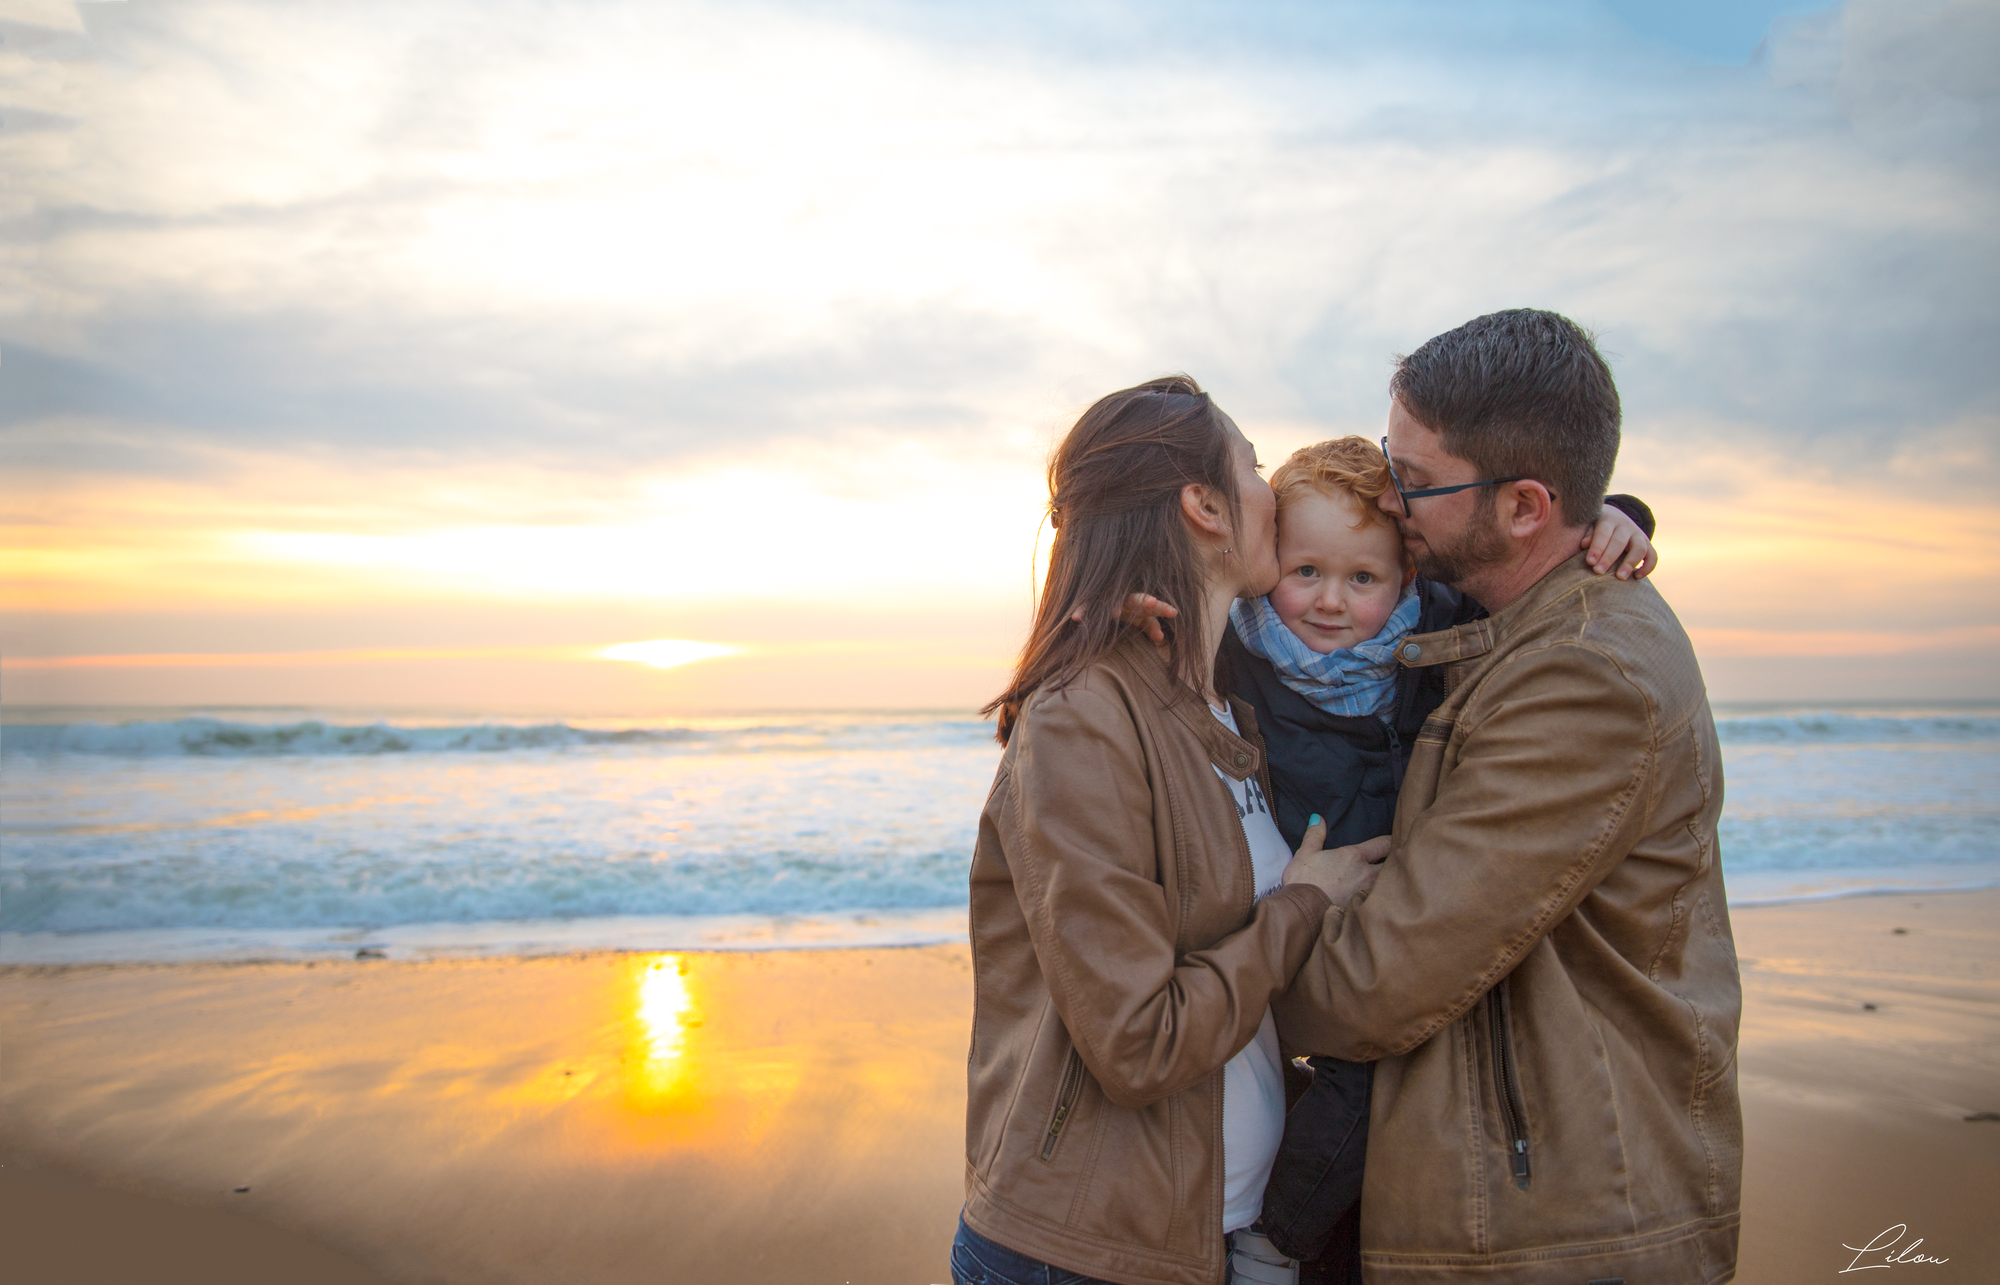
(1203, 509)
(1526, 507)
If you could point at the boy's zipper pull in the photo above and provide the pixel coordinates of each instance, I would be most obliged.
(1395, 758)
(1521, 1163)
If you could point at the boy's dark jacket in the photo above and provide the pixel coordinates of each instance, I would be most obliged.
(1346, 769)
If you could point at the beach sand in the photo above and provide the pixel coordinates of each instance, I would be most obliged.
(797, 1116)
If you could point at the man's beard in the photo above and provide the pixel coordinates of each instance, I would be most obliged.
(1474, 547)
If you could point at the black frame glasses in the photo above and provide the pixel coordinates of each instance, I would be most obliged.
(1404, 497)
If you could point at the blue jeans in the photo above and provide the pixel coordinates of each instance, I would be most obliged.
(976, 1260)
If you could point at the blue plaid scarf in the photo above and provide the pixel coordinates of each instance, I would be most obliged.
(1354, 681)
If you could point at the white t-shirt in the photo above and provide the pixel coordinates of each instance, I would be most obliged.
(1253, 1082)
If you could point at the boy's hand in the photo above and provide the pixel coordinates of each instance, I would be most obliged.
(1343, 874)
(1142, 611)
(1615, 540)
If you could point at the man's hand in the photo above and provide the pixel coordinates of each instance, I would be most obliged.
(1343, 874)
(1615, 541)
(1142, 611)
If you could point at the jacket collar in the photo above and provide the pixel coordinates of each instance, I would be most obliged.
(1237, 757)
(1480, 636)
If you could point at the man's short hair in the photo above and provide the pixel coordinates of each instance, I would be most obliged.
(1521, 393)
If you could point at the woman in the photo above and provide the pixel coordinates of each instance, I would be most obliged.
(1122, 954)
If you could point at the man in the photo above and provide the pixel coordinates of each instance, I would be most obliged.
(1545, 970)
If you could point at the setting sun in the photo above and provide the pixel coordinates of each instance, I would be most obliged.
(666, 653)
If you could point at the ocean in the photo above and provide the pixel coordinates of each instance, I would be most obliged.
(219, 834)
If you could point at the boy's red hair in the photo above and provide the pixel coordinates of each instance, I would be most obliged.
(1350, 466)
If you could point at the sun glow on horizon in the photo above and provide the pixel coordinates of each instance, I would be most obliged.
(667, 653)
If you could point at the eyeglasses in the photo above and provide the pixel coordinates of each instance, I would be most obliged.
(1404, 497)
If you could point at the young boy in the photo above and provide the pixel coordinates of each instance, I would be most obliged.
(1316, 659)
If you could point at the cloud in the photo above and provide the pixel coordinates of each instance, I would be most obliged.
(363, 325)
(561, 388)
(622, 232)
(1913, 67)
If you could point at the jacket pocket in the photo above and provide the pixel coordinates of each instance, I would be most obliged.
(1507, 1081)
(1066, 1095)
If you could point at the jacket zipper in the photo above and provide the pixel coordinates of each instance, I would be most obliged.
(1507, 1077)
(1072, 1084)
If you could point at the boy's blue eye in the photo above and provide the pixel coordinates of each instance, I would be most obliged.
(1364, 577)
(1307, 571)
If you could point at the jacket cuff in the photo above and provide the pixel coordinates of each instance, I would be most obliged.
(1312, 902)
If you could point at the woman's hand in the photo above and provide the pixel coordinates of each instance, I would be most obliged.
(1616, 542)
(1343, 874)
(1142, 611)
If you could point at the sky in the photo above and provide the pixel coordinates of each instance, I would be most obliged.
(415, 356)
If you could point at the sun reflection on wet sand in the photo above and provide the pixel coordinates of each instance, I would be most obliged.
(664, 1086)
(664, 1007)
(705, 1066)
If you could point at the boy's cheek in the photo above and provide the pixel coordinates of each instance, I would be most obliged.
(1369, 623)
(1289, 600)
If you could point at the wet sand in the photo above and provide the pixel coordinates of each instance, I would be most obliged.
(1855, 1118)
(784, 1116)
(797, 1116)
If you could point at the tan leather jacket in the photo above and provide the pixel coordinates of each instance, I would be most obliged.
(1545, 968)
(1119, 960)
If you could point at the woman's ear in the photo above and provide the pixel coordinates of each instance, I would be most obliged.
(1203, 509)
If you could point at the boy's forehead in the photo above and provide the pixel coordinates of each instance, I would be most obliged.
(1311, 502)
(1339, 528)
(1338, 521)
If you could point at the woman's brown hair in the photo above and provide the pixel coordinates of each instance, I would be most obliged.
(1115, 502)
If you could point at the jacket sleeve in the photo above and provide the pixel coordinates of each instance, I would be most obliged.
(1547, 793)
(1082, 856)
(1635, 508)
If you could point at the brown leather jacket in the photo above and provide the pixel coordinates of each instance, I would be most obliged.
(1545, 968)
(1119, 960)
